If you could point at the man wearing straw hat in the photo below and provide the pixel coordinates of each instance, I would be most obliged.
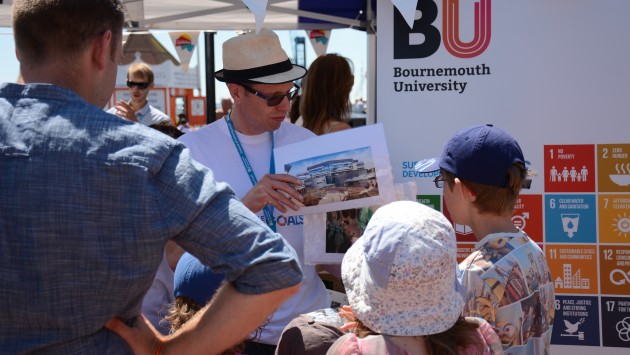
(239, 150)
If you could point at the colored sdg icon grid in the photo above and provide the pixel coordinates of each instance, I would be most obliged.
(614, 269)
(576, 321)
(613, 167)
(573, 268)
(528, 216)
(614, 218)
(569, 168)
(570, 218)
(616, 322)
(432, 201)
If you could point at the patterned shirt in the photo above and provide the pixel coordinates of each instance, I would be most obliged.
(87, 203)
(507, 282)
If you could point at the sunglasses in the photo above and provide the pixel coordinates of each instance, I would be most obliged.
(274, 100)
(139, 85)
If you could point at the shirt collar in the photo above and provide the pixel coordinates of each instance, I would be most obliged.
(144, 110)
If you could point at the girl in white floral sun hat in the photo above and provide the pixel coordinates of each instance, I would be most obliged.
(400, 282)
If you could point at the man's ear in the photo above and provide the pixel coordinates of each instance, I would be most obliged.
(101, 49)
(235, 91)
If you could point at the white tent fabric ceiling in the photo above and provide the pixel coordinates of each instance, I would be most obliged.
(234, 15)
(218, 15)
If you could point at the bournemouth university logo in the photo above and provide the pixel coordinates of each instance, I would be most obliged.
(424, 38)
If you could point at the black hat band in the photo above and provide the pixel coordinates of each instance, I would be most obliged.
(246, 74)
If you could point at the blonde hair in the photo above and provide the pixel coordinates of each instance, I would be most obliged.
(143, 70)
(182, 309)
(326, 92)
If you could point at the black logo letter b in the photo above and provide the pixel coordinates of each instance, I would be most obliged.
(423, 39)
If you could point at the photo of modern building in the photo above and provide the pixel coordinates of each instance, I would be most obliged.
(340, 177)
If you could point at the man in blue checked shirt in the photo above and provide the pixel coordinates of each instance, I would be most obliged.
(88, 201)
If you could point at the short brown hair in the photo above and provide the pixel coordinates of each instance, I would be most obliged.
(143, 70)
(493, 199)
(167, 128)
(56, 29)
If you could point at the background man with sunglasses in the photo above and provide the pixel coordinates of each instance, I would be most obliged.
(259, 77)
(139, 81)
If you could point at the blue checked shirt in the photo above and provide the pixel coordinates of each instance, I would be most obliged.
(87, 203)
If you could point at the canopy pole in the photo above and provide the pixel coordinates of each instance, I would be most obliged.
(210, 90)
(370, 30)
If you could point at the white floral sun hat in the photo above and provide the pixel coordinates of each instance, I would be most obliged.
(400, 275)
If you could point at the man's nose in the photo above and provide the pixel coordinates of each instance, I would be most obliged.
(284, 105)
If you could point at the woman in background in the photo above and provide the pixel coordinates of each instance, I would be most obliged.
(325, 101)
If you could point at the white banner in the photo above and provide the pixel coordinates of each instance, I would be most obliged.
(555, 75)
(259, 9)
(407, 9)
(319, 40)
(185, 44)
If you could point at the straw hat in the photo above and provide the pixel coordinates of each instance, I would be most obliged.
(400, 275)
(257, 58)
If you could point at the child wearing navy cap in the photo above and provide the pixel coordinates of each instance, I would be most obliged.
(506, 279)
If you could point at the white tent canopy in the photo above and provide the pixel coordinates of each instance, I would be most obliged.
(210, 15)
(215, 15)
(225, 15)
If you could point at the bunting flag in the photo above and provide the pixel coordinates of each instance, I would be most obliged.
(407, 9)
(319, 40)
(259, 9)
(185, 44)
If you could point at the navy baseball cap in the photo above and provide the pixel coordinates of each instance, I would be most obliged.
(481, 154)
(195, 280)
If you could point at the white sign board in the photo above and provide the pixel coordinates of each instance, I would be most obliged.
(555, 75)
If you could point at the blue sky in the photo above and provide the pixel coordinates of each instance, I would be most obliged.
(347, 42)
(9, 66)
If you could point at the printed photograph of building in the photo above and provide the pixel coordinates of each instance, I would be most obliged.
(337, 177)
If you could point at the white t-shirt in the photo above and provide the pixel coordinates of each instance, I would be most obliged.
(212, 146)
(159, 296)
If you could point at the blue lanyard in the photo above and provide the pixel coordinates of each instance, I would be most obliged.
(268, 209)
